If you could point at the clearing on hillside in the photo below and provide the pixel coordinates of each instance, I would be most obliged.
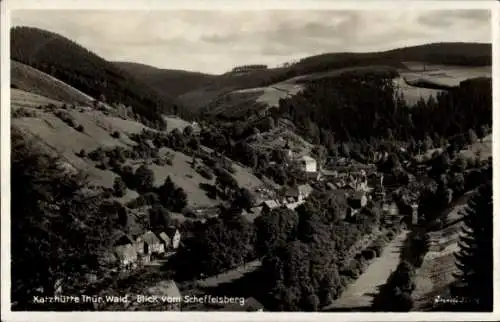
(98, 127)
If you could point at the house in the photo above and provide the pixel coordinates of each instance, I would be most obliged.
(294, 205)
(251, 215)
(124, 249)
(164, 239)
(269, 205)
(174, 236)
(304, 191)
(152, 244)
(127, 256)
(358, 200)
(308, 164)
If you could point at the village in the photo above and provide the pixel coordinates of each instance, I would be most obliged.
(360, 183)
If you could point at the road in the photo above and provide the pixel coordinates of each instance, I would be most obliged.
(359, 295)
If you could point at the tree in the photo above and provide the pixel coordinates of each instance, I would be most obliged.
(471, 136)
(244, 199)
(159, 218)
(119, 187)
(145, 178)
(188, 131)
(474, 258)
(57, 231)
(180, 200)
(279, 225)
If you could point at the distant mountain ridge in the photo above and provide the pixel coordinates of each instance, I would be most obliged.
(171, 82)
(154, 91)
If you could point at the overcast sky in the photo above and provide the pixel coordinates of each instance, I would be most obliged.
(216, 41)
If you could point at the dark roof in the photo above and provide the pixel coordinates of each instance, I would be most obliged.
(170, 231)
(120, 238)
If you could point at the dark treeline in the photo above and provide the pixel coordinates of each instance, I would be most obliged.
(82, 69)
(361, 107)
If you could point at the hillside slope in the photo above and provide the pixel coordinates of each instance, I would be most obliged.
(87, 72)
(169, 82)
(37, 117)
(32, 80)
(458, 54)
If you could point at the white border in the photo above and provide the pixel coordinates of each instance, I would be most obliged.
(8, 5)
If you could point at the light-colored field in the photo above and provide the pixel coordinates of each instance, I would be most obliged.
(438, 74)
(35, 81)
(66, 141)
(360, 293)
(20, 98)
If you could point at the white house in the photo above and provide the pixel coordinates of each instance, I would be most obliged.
(175, 237)
(308, 164)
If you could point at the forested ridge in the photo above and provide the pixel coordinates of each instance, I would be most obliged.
(84, 70)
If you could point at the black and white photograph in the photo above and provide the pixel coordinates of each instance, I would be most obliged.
(266, 160)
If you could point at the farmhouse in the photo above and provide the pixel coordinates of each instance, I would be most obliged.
(124, 249)
(152, 244)
(127, 256)
(308, 164)
(164, 239)
(269, 205)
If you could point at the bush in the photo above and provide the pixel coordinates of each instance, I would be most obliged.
(369, 254)
(116, 134)
(205, 172)
(81, 153)
(22, 112)
(147, 199)
(80, 128)
(119, 187)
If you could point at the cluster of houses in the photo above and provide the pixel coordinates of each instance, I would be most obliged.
(131, 252)
(290, 197)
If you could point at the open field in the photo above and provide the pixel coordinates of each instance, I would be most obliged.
(441, 75)
(360, 293)
(66, 141)
(21, 98)
(34, 81)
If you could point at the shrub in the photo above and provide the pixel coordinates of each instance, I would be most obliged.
(22, 112)
(119, 187)
(147, 199)
(369, 254)
(80, 128)
(116, 134)
(205, 172)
